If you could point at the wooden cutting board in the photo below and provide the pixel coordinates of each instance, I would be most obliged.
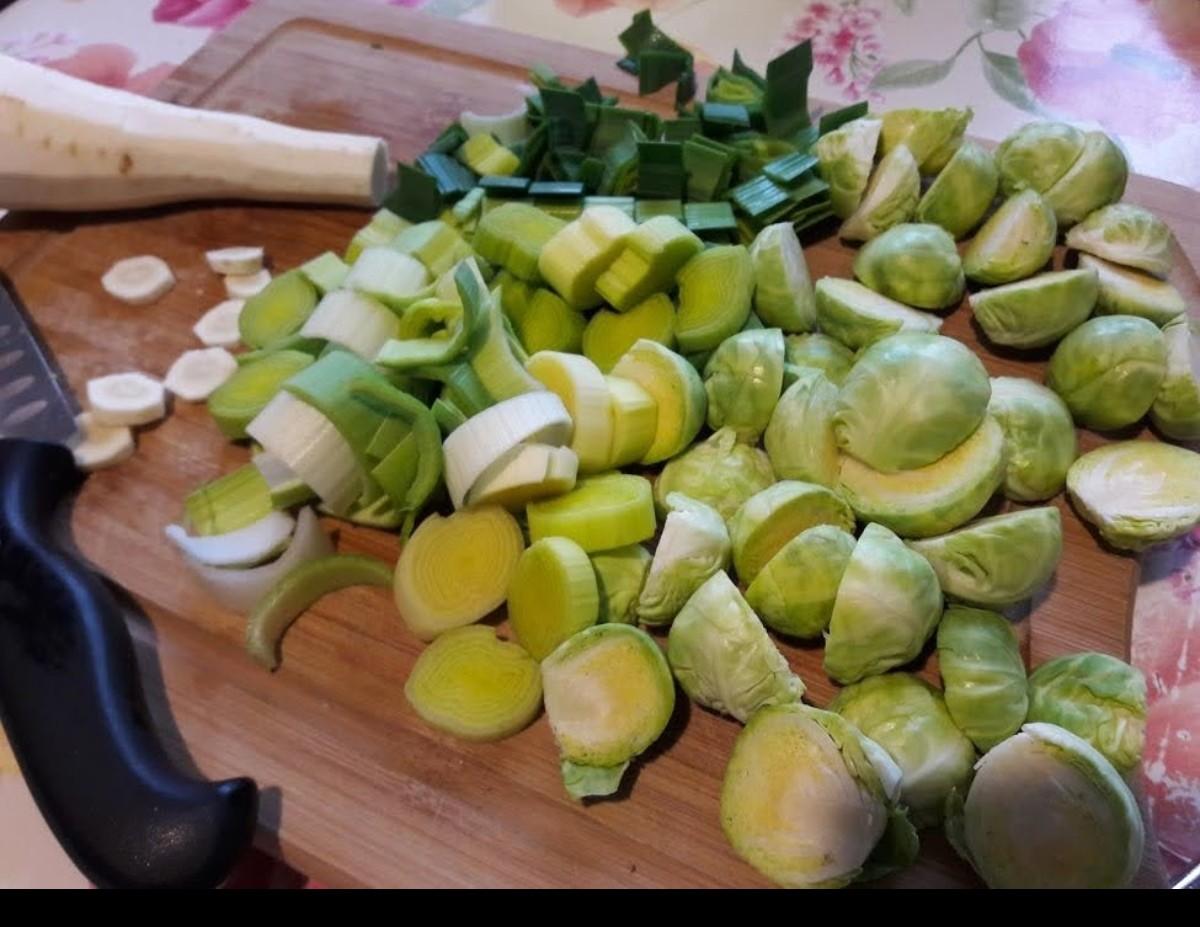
(356, 789)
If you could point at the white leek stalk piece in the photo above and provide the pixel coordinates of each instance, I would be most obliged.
(240, 259)
(354, 321)
(98, 446)
(195, 375)
(583, 390)
(218, 328)
(135, 280)
(508, 128)
(247, 546)
(527, 472)
(126, 399)
(243, 286)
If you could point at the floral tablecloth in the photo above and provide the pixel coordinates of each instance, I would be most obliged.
(1131, 67)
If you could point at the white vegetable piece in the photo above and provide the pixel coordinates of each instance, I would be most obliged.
(195, 374)
(507, 128)
(353, 321)
(218, 328)
(236, 260)
(243, 286)
(98, 446)
(138, 280)
(72, 145)
(126, 399)
(247, 546)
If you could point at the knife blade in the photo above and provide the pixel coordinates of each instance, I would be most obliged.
(35, 402)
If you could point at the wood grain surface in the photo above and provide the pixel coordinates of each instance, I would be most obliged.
(357, 791)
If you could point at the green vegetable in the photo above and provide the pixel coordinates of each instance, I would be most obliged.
(609, 335)
(229, 502)
(652, 256)
(326, 272)
(484, 155)
(527, 472)
(235, 403)
(962, 192)
(932, 135)
(846, 157)
(857, 316)
(794, 593)
(770, 518)
(800, 439)
(694, 546)
(1038, 311)
(1127, 235)
(1176, 409)
(1039, 438)
(1016, 242)
(743, 379)
(437, 245)
(1096, 179)
(720, 472)
(820, 352)
(1129, 292)
(600, 513)
(890, 198)
(512, 236)
(581, 251)
(715, 292)
(546, 323)
(620, 575)
(416, 197)
(383, 227)
(677, 391)
(783, 293)
(785, 98)
(277, 311)
(552, 595)
(1037, 155)
(914, 264)
(386, 276)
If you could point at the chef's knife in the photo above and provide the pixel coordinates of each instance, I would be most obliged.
(70, 697)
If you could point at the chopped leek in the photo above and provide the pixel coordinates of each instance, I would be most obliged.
(677, 391)
(544, 322)
(235, 403)
(447, 414)
(352, 320)
(258, 541)
(229, 502)
(600, 513)
(785, 99)
(584, 393)
(660, 170)
(416, 196)
(494, 354)
(715, 290)
(648, 263)
(484, 155)
(648, 209)
(383, 227)
(285, 488)
(552, 596)
(507, 128)
(512, 236)
(388, 276)
(709, 168)
(709, 217)
(277, 311)
(620, 575)
(326, 272)
(634, 421)
(452, 179)
(609, 335)
(575, 257)
(435, 244)
(526, 473)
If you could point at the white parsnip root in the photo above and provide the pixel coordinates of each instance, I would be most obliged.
(237, 260)
(98, 446)
(243, 286)
(138, 280)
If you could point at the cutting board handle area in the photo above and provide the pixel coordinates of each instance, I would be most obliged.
(73, 707)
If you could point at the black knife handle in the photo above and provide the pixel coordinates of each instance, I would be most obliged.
(72, 705)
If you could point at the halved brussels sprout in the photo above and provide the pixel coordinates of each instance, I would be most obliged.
(999, 560)
(1015, 242)
(908, 718)
(1038, 311)
(890, 198)
(795, 591)
(1037, 155)
(743, 380)
(1137, 493)
(914, 263)
(1130, 292)
(1096, 179)
(783, 292)
(723, 657)
(810, 802)
(1127, 235)
(1176, 409)
(1108, 371)
(720, 472)
(609, 695)
(620, 574)
(1039, 438)
(934, 499)
(845, 158)
(982, 674)
(932, 135)
(857, 316)
(820, 352)
(1096, 697)
(909, 400)
(771, 518)
(887, 606)
(799, 439)
(962, 192)
(694, 545)
(1045, 810)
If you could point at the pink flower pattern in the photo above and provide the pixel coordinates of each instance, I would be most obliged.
(209, 14)
(847, 48)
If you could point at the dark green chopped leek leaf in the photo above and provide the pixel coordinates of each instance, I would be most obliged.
(415, 197)
(741, 69)
(454, 179)
(621, 163)
(610, 123)
(556, 189)
(657, 68)
(566, 116)
(591, 173)
(544, 77)
(590, 91)
(450, 140)
(660, 170)
(709, 217)
(497, 185)
(811, 190)
(839, 117)
(648, 209)
(785, 100)
(627, 204)
(685, 88)
(680, 130)
(532, 151)
(642, 35)
(760, 198)
(790, 168)
(726, 116)
(709, 169)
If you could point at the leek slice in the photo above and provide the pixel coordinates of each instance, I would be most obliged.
(715, 291)
(310, 346)
(648, 262)
(493, 355)
(574, 258)
(235, 403)
(484, 155)
(473, 685)
(610, 334)
(327, 272)
(527, 472)
(385, 274)
(600, 513)
(466, 211)
(284, 487)
(298, 591)
(278, 310)
(383, 227)
(634, 419)
(465, 316)
(544, 322)
(353, 321)
(513, 235)
(582, 388)
(256, 542)
(454, 571)
(447, 414)
(677, 391)
(229, 502)
(552, 596)
(770, 518)
(620, 575)
(506, 128)
(435, 244)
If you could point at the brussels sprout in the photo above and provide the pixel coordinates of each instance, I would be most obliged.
(820, 352)
(934, 499)
(795, 591)
(891, 197)
(999, 560)
(960, 196)
(810, 802)
(723, 657)
(769, 519)
(915, 264)
(1137, 493)
(1096, 697)
(908, 718)
(694, 545)
(1015, 242)
(799, 439)
(1176, 409)
(1038, 311)
(743, 379)
(1045, 810)
(1127, 235)
(887, 605)
(1128, 292)
(1109, 370)
(1037, 155)
(609, 695)
(620, 574)
(783, 292)
(857, 316)
(1096, 179)
(719, 472)
(910, 400)
(846, 156)
(932, 135)
(1039, 438)
(982, 674)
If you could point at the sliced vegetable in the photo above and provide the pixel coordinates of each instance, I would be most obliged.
(846, 156)
(326, 272)
(1176, 409)
(1016, 242)
(720, 472)
(1039, 438)
(284, 488)
(889, 199)
(1129, 292)
(278, 311)
(1127, 235)
(98, 446)
(384, 226)
(635, 421)
(585, 395)
(218, 328)
(581, 251)
(962, 192)
(677, 392)
(1096, 179)
(126, 399)
(600, 513)
(915, 263)
(1038, 311)
(484, 155)
(242, 259)
(743, 379)
(715, 292)
(435, 244)
(783, 294)
(772, 517)
(545, 322)
(243, 286)
(609, 335)
(694, 546)
(195, 375)
(387, 275)
(512, 236)
(507, 128)
(246, 546)
(138, 280)
(552, 595)
(818, 351)
(794, 593)
(858, 316)
(235, 403)
(647, 264)
(620, 575)
(527, 472)
(800, 439)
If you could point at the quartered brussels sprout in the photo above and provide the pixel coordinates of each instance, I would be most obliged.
(1038, 311)
(909, 400)
(795, 591)
(887, 606)
(908, 718)
(1037, 155)
(999, 560)
(1176, 409)
(914, 263)
(1096, 697)
(962, 192)
(1096, 179)
(890, 198)
(1015, 242)
(982, 675)
(1127, 235)
(771, 518)
(1137, 493)
(723, 657)
(783, 292)
(694, 545)
(1108, 371)
(818, 351)
(932, 135)
(620, 574)
(1130, 292)
(1045, 810)
(743, 380)
(1039, 438)
(609, 695)
(846, 156)
(810, 802)
(799, 439)
(857, 316)
(720, 472)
